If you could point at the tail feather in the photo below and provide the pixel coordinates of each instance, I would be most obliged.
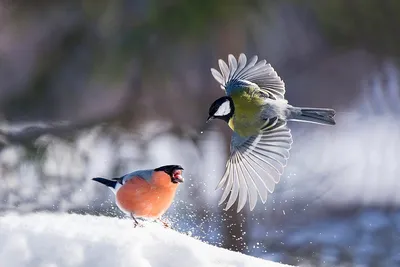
(313, 115)
(106, 182)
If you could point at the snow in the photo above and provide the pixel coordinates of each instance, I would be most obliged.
(57, 240)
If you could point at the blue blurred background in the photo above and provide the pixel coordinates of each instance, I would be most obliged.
(102, 88)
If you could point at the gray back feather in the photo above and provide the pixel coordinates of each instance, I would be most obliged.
(145, 174)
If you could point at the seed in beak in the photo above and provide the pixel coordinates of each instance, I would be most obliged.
(178, 176)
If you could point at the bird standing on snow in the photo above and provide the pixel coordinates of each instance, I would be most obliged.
(256, 110)
(146, 193)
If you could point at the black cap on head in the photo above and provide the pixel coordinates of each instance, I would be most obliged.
(171, 170)
(222, 108)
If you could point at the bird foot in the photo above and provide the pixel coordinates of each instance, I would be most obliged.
(135, 225)
(135, 222)
(166, 225)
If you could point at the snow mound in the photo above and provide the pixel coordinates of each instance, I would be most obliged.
(57, 240)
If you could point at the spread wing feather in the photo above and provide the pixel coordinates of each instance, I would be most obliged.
(261, 73)
(255, 164)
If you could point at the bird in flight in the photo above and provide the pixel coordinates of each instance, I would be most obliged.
(256, 110)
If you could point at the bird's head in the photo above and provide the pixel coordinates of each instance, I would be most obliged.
(174, 172)
(222, 108)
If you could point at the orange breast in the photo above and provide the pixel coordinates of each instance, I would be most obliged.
(145, 199)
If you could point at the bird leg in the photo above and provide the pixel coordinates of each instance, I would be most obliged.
(135, 222)
(166, 225)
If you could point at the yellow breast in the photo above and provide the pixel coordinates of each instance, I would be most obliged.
(246, 120)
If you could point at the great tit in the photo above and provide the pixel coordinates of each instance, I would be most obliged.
(256, 110)
(145, 193)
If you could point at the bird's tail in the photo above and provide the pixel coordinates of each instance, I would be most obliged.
(313, 115)
(106, 182)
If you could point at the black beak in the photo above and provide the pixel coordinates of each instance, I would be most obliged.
(177, 174)
(176, 180)
(210, 118)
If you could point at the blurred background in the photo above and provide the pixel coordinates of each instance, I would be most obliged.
(102, 88)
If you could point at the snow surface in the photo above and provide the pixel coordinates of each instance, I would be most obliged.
(56, 240)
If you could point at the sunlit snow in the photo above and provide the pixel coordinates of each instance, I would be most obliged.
(57, 240)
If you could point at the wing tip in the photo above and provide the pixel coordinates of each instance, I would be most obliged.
(240, 207)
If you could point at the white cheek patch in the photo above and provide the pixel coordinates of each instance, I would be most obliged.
(224, 109)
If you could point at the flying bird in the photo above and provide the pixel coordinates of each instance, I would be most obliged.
(256, 110)
(145, 193)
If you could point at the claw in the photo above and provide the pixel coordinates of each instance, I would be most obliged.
(166, 225)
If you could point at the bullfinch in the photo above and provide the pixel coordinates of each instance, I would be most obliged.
(145, 193)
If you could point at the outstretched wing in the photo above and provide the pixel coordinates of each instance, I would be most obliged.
(240, 71)
(256, 164)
